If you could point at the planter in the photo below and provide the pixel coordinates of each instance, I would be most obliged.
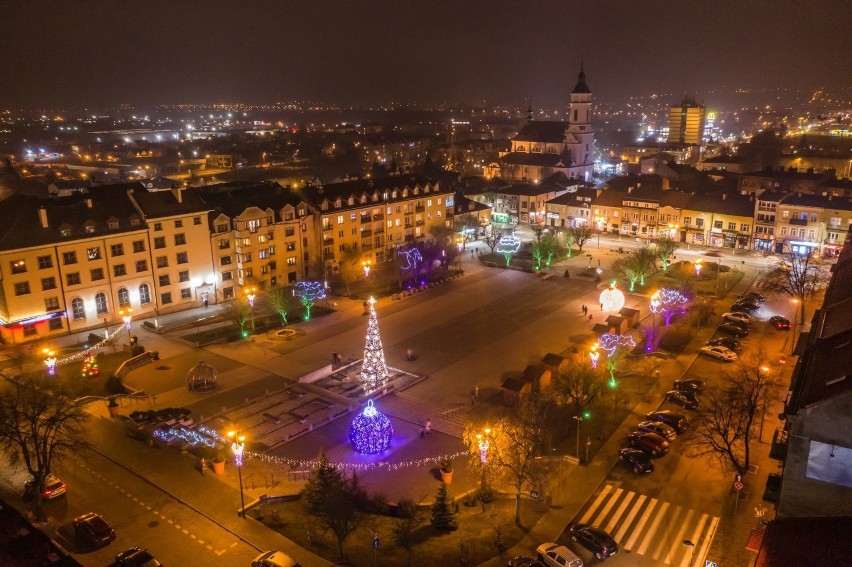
(447, 477)
(113, 410)
(218, 466)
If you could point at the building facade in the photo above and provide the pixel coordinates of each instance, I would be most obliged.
(686, 122)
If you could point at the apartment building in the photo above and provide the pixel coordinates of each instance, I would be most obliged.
(766, 209)
(607, 209)
(526, 202)
(720, 219)
(573, 208)
(805, 221)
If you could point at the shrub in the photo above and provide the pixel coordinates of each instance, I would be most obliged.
(136, 350)
(676, 337)
(114, 385)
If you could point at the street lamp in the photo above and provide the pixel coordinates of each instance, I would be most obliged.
(50, 361)
(691, 545)
(594, 355)
(795, 318)
(698, 265)
(125, 315)
(237, 447)
(366, 265)
(250, 295)
(483, 441)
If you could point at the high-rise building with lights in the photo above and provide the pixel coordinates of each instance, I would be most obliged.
(686, 122)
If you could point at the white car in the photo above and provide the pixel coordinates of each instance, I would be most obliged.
(274, 559)
(743, 318)
(556, 555)
(719, 352)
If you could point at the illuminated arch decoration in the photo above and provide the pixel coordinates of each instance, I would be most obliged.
(668, 302)
(612, 298)
(371, 431)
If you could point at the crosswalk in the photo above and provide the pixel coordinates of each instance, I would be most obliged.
(650, 527)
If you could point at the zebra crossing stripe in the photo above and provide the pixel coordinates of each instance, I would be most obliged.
(646, 541)
(652, 503)
(635, 510)
(671, 523)
(599, 518)
(609, 527)
(677, 545)
(695, 538)
(705, 547)
(593, 507)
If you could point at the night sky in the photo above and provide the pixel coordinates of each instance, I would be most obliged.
(75, 53)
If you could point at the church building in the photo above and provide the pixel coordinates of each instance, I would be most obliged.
(545, 147)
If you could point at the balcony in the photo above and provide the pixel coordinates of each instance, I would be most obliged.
(419, 209)
(366, 232)
(778, 449)
(327, 240)
(366, 246)
(798, 222)
(328, 256)
(327, 227)
(378, 217)
(380, 230)
(366, 219)
(421, 222)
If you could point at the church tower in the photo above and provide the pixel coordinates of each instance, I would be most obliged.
(579, 137)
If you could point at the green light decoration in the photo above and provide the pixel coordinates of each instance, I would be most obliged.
(374, 372)
(612, 343)
(309, 293)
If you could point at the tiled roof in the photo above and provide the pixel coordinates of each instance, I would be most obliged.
(425, 187)
(582, 196)
(623, 182)
(537, 159)
(234, 198)
(549, 131)
(158, 204)
(734, 204)
(818, 201)
(581, 87)
(675, 199)
(610, 198)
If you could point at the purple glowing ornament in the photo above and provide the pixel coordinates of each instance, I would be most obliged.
(370, 431)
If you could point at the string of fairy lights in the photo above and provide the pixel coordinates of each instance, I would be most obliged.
(305, 464)
(84, 353)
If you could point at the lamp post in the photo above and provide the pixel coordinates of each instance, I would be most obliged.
(366, 264)
(126, 316)
(698, 266)
(594, 355)
(795, 318)
(483, 442)
(691, 545)
(237, 446)
(50, 361)
(250, 295)
(579, 420)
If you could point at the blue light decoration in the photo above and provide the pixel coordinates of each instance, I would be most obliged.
(308, 293)
(667, 301)
(371, 431)
(508, 246)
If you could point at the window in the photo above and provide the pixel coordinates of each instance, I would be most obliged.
(158, 226)
(225, 260)
(123, 297)
(813, 217)
(77, 309)
(178, 223)
(29, 329)
(732, 226)
(164, 280)
(253, 225)
(291, 246)
(340, 232)
(51, 303)
(699, 223)
(96, 274)
(224, 243)
(119, 270)
(141, 266)
(744, 227)
(186, 293)
(101, 303)
(262, 254)
(55, 324)
(247, 257)
(180, 239)
(162, 262)
(227, 276)
(271, 250)
(811, 234)
(69, 258)
(291, 261)
(166, 298)
(783, 231)
(48, 283)
(339, 219)
(272, 265)
(22, 288)
(160, 242)
(112, 225)
(228, 292)
(183, 276)
(144, 294)
(261, 239)
(196, 220)
(717, 224)
(246, 241)
(93, 253)
(72, 278)
(138, 246)
(182, 258)
(19, 267)
(45, 262)
(116, 250)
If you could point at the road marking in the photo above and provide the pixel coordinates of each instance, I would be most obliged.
(670, 524)
(636, 507)
(210, 547)
(678, 540)
(599, 518)
(234, 544)
(171, 522)
(598, 500)
(185, 531)
(192, 536)
(609, 527)
(177, 526)
(220, 552)
(201, 541)
(685, 562)
(642, 521)
(705, 547)
(652, 530)
(149, 509)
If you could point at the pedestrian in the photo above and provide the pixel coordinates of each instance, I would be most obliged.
(472, 398)
(203, 466)
(206, 302)
(428, 427)
(590, 317)
(601, 306)
(423, 433)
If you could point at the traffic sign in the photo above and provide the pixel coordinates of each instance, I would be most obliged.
(738, 478)
(375, 540)
(708, 563)
(738, 485)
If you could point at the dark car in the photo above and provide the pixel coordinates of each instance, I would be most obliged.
(653, 444)
(687, 400)
(638, 461)
(692, 385)
(743, 308)
(92, 531)
(594, 539)
(727, 342)
(733, 329)
(136, 557)
(779, 322)
(677, 421)
(752, 295)
(659, 428)
(525, 561)
(754, 302)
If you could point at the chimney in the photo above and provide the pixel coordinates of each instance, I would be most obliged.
(629, 190)
(178, 193)
(42, 215)
(724, 196)
(89, 203)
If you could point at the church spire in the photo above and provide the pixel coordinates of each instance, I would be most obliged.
(581, 87)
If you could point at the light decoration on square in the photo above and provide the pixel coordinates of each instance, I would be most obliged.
(611, 343)
(594, 355)
(50, 361)
(508, 246)
(411, 259)
(612, 298)
(370, 431)
(374, 372)
(309, 293)
(668, 302)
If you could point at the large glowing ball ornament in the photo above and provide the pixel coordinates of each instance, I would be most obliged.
(612, 299)
(370, 431)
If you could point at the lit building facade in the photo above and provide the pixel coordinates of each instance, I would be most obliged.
(686, 123)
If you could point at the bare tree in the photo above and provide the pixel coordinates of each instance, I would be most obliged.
(492, 237)
(349, 267)
(537, 251)
(408, 518)
(282, 300)
(798, 276)
(38, 427)
(664, 246)
(442, 233)
(549, 246)
(582, 233)
(578, 386)
(340, 516)
(570, 239)
(239, 312)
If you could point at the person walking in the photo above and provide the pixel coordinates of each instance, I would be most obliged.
(203, 466)
(428, 427)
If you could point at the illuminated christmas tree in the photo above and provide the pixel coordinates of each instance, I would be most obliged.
(373, 369)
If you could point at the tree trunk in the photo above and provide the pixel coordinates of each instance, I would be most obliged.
(518, 508)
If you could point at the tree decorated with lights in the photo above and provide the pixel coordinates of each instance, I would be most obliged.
(549, 245)
(309, 293)
(668, 302)
(374, 372)
(508, 246)
(370, 431)
(664, 246)
(614, 345)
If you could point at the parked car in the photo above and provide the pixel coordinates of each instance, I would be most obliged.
(136, 557)
(733, 329)
(748, 300)
(653, 444)
(719, 353)
(525, 561)
(558, 556)
(677, 421)
(743, 318)
(92, 531)
(52, 488)
(713, 253)
(636, 460)
(691, 385)
(658, 427)
(727, 342)
(594, 539)
(746, 308)
(779, 322)
(274, 559)
(686, 401)
(752, 295)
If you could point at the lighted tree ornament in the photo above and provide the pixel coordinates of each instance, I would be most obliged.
(411, 260)
(309, 293)
(374, 372)
(668, 302)
(612, 298)
(612, 343)
(594, 355)
(508, 246)
(370, 431)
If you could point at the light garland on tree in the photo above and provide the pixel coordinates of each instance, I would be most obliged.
(412, 258)
(371, 431)
(374, 373)
(612, 298)
(308, 293)
(611, 342)
(667, 301)
(508, 244)
(304, 464)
